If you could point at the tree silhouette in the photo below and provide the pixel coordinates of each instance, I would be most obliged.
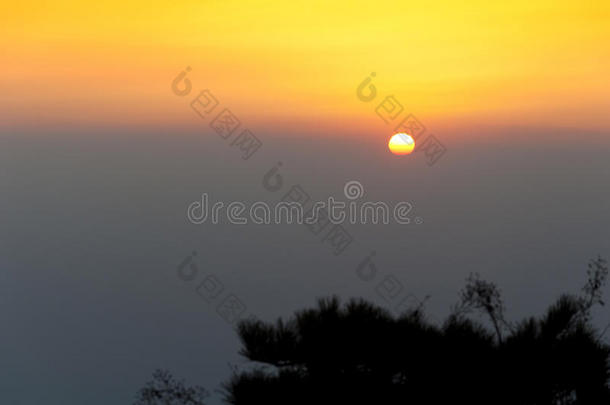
(597, 273)
(163, 389)
(359, 353)
(486, 297)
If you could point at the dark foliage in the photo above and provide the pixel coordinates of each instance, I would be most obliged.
(163, 389)
(358, 353)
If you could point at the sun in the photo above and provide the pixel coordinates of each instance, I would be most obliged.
(401, 144)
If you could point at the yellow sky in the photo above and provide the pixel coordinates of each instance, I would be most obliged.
(288, 64)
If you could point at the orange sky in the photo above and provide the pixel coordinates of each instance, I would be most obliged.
(289, 65)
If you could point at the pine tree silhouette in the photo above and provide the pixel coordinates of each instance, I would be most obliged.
(358, 353)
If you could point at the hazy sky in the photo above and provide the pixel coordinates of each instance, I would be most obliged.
(284, 63)
(99, 160)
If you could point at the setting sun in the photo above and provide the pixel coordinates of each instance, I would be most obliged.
(401, 144)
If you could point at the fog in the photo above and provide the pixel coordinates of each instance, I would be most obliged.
(95, 227)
